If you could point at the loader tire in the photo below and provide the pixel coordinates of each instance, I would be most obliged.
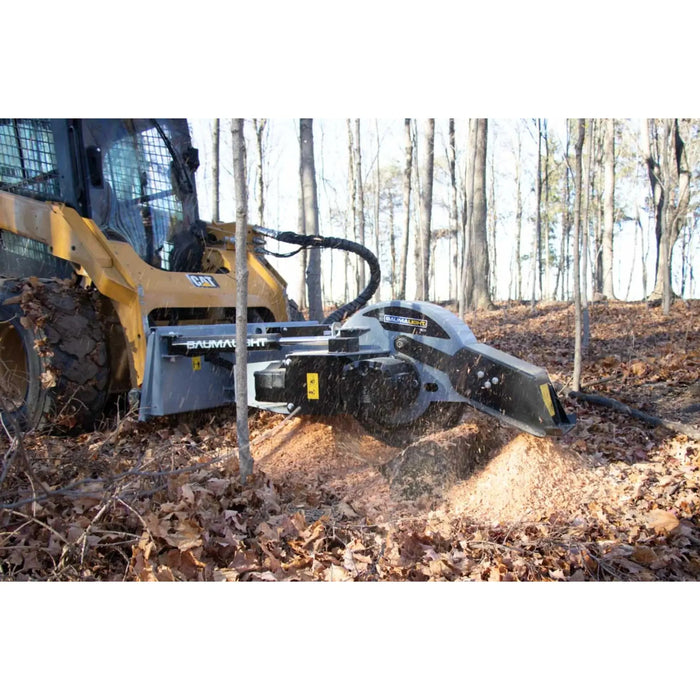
(54, 366)
(293, 311)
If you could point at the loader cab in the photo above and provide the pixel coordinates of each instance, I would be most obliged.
(139, 178)
(133, 177)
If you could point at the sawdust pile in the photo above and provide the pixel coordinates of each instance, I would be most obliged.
(483, 471)
(530, 479)
(333, 463)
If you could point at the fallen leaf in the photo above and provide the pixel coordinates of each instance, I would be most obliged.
(662, 521)
(644, 555)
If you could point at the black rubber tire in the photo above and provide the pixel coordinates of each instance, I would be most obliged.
(53, 355)
(438, 416)
(293, 311)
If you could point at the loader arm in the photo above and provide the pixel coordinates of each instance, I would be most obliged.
(135, 288)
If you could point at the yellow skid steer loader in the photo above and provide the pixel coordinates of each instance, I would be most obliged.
(111, 284)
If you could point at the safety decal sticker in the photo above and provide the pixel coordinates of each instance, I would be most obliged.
(203, 281)
(312, 389)
(544, 389)
(197, 363)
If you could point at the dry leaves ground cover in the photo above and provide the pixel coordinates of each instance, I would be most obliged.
(615, 499)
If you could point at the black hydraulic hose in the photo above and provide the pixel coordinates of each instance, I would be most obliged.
(367, 255)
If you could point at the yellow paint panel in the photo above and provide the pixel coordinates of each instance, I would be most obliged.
(312, 389)
(544, 388)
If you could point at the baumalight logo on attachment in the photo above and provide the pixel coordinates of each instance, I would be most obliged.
(203, 281)
(405, 321)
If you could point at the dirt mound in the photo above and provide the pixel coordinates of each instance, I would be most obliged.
(530, 479)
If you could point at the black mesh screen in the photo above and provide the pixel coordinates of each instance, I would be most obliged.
(23, 257)
(28, 158)
(138, 169)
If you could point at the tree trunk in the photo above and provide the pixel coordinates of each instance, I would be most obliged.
(215, 140)
(260, 125)
(407, 172)
(350, 268)
(537, 247)
(578, 149)
(492, 237)
(454, 217)
(392, 247)
(585, 203)
(669, 174)
(467, 278)
(359, 200)
(608, 208)
(518, 219)
(304, 254)
(426, 210)
(308, 178)
(245, 459)
(547, 283)
(480, 297)
(563, 271)
(377, 191)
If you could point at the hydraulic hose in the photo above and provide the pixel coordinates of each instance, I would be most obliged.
(367, 255)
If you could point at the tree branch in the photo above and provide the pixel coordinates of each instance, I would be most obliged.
(674, 426)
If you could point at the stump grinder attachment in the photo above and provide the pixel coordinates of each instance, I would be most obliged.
(390, 365)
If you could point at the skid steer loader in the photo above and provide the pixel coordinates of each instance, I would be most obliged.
(111, 284)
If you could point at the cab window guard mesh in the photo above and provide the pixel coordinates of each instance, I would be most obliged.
(137, 167)
(28, 158)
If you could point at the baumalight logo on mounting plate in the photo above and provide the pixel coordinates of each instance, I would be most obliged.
(405, 321)
(203, 281)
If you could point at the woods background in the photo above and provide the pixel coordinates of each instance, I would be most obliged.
(419, 192)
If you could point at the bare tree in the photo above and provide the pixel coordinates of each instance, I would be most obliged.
(454, 216)
(349, 269)
(259, 126)
(377, 193)
(518, 216)
(392, 247)
(310, 197)
(578, 333)
(467, 277)
(563, 270)
(245, 459)
(537, 245)
(408, 166)
(477, 294)
(304, 253)
(586, 187)
(426, 209)
(359, 199)
(215, 141)
(608, 208)
(669, 176)
(492, 225)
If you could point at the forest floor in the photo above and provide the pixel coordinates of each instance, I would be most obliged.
(614, 499)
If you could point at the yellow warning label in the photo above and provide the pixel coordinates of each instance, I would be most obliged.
(312, 391)
(544, 388)
(196, 363)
